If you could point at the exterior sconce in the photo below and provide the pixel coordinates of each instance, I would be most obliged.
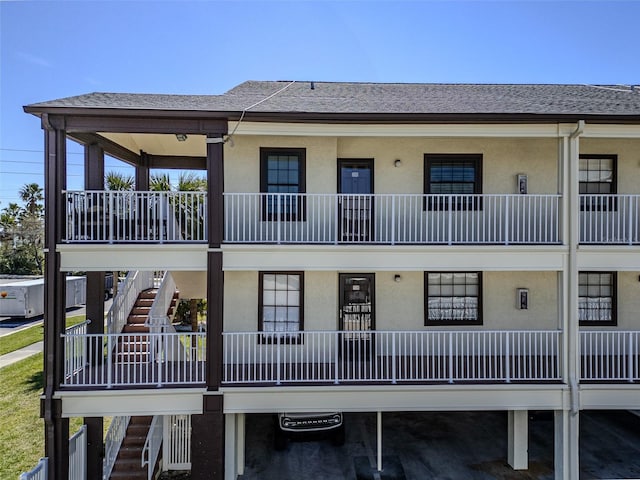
(522, 300)
(397, 278)
(397, 163)
(181, 137)
(523, 184)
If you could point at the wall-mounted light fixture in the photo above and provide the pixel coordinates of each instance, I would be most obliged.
(523, 184)
(397, 163)
(397, 278)
(522, 299)
(181, 137)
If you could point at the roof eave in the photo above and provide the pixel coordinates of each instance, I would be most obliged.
(338, 117)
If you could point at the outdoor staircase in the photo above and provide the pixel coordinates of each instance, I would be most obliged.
(128, 463)
(136, 348)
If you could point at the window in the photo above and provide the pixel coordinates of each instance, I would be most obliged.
(282, 175)
(597, 298)
(453, 298)
(453, 174)
(281, 307)
(597, 176)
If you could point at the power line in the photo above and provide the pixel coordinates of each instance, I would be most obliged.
(34, 151)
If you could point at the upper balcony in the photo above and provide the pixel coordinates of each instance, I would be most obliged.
(377, 219)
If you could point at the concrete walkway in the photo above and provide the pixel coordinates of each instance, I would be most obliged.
(21, 354)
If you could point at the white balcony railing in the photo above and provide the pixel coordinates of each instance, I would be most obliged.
(78, 455)
(610, 355)
(391, 219)
(132, 216)
(610, 219)
(413, 219)
(39, 472)
(152, 444)
(135, 359)
(134, 283)
(391, 357)
(112, 442)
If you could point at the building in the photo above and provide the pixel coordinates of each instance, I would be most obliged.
(362, 247)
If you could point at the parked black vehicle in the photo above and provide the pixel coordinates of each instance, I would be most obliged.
(304, 426)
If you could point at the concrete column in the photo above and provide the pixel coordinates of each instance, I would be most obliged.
(518, 439)
(240, 432)
(566, 444)
(230, 440)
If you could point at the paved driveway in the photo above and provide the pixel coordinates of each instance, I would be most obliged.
(443, 445)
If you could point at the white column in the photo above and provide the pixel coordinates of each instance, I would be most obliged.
(240, 432)
(379, 431)
(518, 439)
(565, 455)
(230, 470)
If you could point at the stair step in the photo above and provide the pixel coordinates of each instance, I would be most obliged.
(137, 318)
(140, 310)
(135, 328)
(130, 475)
(131, 358)
(144, 302)
(125, 348)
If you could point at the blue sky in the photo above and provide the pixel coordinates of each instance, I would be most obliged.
(56, 49)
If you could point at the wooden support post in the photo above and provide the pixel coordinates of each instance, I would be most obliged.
(208, 441)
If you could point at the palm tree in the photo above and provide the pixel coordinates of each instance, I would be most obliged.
(160, 182)
(118, 181)
(31, 195)
(191, 182)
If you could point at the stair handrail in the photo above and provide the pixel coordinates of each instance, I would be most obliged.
(152, 444)
(135, 282)
(158, 317)
(112, 442)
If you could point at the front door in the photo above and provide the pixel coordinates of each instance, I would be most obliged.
(355, 184)
(357, 317)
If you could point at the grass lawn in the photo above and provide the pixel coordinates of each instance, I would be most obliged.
(28, 336)
(22, 432)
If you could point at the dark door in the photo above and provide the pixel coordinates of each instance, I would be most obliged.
(355, 184)
(357, 316)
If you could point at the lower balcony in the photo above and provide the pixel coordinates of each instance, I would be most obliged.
(134, 360)
(345, 357)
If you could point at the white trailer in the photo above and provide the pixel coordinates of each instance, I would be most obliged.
(25, 298)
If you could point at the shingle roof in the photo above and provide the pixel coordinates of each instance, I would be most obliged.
(279, 97)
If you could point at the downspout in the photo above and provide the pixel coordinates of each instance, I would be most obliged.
(573, 382)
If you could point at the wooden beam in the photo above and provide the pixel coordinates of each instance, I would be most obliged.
(177, 162)
(148, 124)
(110, 147)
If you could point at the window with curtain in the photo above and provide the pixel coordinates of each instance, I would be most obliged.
(281, 308)
(597, 298)
(453, 298)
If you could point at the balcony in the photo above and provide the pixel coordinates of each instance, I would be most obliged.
(133, 360)
(610, 219)
(345, 357)
(382, 219)
(391, 357)
(391, 219)
(135, 217)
